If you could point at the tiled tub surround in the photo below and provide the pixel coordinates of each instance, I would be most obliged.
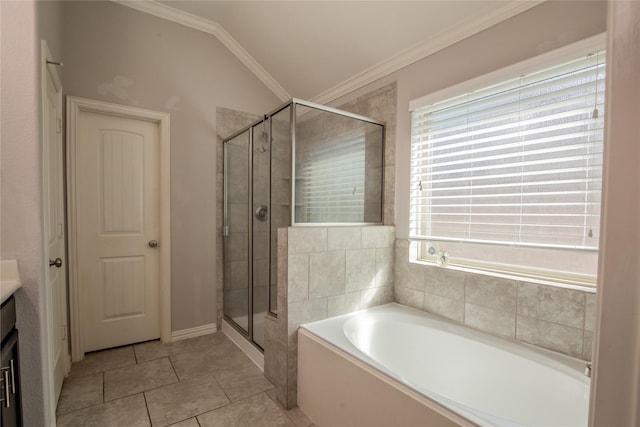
(323, 272)
(555, 318)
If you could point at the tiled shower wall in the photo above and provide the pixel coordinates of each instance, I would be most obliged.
(323, 272)
(555, 318)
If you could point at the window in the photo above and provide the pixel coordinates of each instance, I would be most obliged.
(508, 177)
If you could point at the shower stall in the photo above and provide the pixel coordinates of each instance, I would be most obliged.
(302, 165)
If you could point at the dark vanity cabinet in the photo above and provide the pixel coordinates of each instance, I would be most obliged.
(9, 368)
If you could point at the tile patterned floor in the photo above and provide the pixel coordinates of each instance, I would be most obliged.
(200, 382)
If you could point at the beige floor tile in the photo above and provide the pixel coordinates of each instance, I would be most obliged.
(179, 401)
(130, 411)
(155, 349)
(136, 378)
(201, 377)
(255, 411)
(296, 415)
(241, 383)
(104, 360)
(80, 392)
(225, 356)
(191, 422)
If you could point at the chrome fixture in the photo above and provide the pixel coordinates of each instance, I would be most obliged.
(261, 213)
(153, 243)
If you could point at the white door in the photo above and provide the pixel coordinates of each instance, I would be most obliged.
(118, 229)
(56, 295)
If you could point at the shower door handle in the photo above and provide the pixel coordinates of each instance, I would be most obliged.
(261, 213)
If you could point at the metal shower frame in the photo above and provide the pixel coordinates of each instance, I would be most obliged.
(293, 103)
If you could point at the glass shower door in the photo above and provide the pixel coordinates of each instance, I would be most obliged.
(236, 232)
(261, 210)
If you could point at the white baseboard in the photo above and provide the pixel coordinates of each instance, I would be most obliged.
(247, 348)
(193, 332)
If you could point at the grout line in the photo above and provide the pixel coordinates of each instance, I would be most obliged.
(148, 389)
(584, 313)
(174, 368)
(281, 408)
(464, 299)
(144, 396)
(585, 351)
(538, 319)
(225, 393)
(77, 410)
(135, 356)
(515, 332)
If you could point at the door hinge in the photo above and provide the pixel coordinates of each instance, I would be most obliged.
(59, 125)
(225, 230)
(60, 230)
(64, 332)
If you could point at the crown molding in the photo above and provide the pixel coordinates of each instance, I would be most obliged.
(187, 19)
(425, 48)
(404, 58)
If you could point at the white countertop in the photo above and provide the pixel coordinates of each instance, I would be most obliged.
(9, 279)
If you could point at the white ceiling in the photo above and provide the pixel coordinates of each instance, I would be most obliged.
(319, 50)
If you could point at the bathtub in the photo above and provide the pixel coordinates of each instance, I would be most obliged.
(395, 366)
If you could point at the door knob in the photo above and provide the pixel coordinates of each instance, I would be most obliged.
(57, 262)
(153, 243)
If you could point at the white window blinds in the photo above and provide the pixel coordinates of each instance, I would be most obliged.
(518, 163)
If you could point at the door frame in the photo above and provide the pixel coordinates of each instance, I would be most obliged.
(75, 106)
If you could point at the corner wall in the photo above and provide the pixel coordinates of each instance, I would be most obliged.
(616, 381)
(498, 305)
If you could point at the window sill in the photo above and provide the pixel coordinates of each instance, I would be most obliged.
(510, 276)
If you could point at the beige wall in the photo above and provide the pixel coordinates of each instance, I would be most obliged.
(23, 25)
(538, 30)
(117, 54)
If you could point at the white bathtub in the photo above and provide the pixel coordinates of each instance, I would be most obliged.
(374, 367)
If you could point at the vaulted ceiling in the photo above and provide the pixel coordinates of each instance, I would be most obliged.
(320, 50)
